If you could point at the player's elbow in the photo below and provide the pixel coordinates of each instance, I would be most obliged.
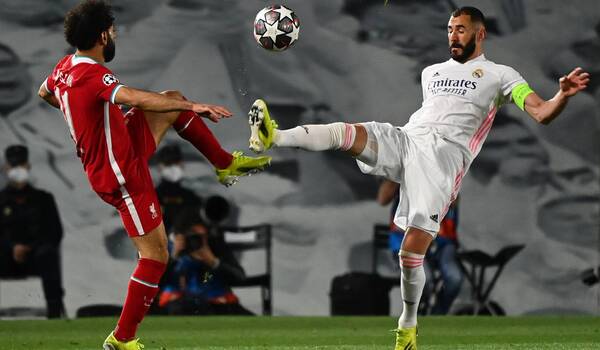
(42, 93)
(542, 118)
(545, 121)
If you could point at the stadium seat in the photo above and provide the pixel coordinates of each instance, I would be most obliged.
(478, 262)
(244, 238)
(381, 255)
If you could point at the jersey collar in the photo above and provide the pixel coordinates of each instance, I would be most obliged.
(479, 58)
(76, 59)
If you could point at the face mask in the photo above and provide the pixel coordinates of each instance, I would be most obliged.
(18, 174)
(172, 173)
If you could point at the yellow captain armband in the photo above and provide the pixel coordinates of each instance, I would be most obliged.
(519, 93)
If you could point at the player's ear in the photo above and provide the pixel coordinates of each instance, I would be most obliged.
(104, 37)
(481, 33)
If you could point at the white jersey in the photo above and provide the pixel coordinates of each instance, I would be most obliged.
(461, 100)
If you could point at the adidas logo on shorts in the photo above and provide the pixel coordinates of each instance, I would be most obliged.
(434, 217)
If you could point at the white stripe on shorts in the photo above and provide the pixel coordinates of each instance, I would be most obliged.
(117, 171)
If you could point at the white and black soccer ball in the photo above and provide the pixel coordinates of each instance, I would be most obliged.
(276, 28)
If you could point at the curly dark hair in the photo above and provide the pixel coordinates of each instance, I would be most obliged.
(85, 22)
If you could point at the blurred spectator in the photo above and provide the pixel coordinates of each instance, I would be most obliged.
(441, 258)
(204, 269)
(30, 231)
(172, 195)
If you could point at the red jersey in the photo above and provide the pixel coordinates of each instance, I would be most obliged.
(86, 91)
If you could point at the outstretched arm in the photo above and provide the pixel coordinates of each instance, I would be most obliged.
(155, 102)
(569, 85)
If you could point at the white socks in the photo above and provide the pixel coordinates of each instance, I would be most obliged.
(411, 284)
(334, 136)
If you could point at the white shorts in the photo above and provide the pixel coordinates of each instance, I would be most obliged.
(428, 168)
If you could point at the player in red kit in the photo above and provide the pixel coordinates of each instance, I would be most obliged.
(115, 147)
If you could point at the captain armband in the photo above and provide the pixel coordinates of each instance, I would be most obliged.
(519, 93)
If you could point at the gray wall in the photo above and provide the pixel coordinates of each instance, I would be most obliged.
(531, 184)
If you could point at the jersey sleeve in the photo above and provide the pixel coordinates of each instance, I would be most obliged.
(103, 84)
(510, 78)
(49, 84)
(424, 77)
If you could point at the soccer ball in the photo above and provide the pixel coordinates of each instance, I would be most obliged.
(276, 28)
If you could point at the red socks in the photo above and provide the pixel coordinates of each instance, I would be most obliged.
(142, 289)
(192, 128)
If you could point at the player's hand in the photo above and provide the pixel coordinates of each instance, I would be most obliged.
(206, 255)
(574, 82)
(212, 112)
(20, 252)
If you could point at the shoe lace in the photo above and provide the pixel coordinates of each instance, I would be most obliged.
(140, 346)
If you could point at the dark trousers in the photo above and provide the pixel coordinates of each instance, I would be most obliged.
(42, 261)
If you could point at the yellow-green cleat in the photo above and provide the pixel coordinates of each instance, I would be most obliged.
(406, 338)
(262, 127)
(241, 165)
(111, 343)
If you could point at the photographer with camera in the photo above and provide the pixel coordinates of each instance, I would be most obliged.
(204, 269)
(30, 231)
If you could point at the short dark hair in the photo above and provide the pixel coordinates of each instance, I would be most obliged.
(186, 218)
(85, 22)
(16, 155)
(169, 154)
(476, 15)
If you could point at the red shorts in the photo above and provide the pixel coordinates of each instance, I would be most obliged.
(138, 205)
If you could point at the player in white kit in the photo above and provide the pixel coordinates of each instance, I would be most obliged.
(429, 155)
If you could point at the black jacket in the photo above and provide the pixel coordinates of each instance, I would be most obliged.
(29, 216)
(173, 199)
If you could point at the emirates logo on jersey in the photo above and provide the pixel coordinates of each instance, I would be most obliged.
(109, 79)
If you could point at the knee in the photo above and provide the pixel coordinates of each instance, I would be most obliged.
(157, 251)
(173, 94)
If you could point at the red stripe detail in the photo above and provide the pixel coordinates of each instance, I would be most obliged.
(410, 259)
(348, 132)
(484, 133)
(457, 182)
(411, 265)
(483, 128)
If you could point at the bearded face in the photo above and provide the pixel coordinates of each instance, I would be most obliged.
(109, 50)
(460, 52)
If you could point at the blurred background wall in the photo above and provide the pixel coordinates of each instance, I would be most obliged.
(356, 61)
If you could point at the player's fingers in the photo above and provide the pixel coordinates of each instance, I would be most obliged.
(223, 111)
(574, 72)
(217, 112)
